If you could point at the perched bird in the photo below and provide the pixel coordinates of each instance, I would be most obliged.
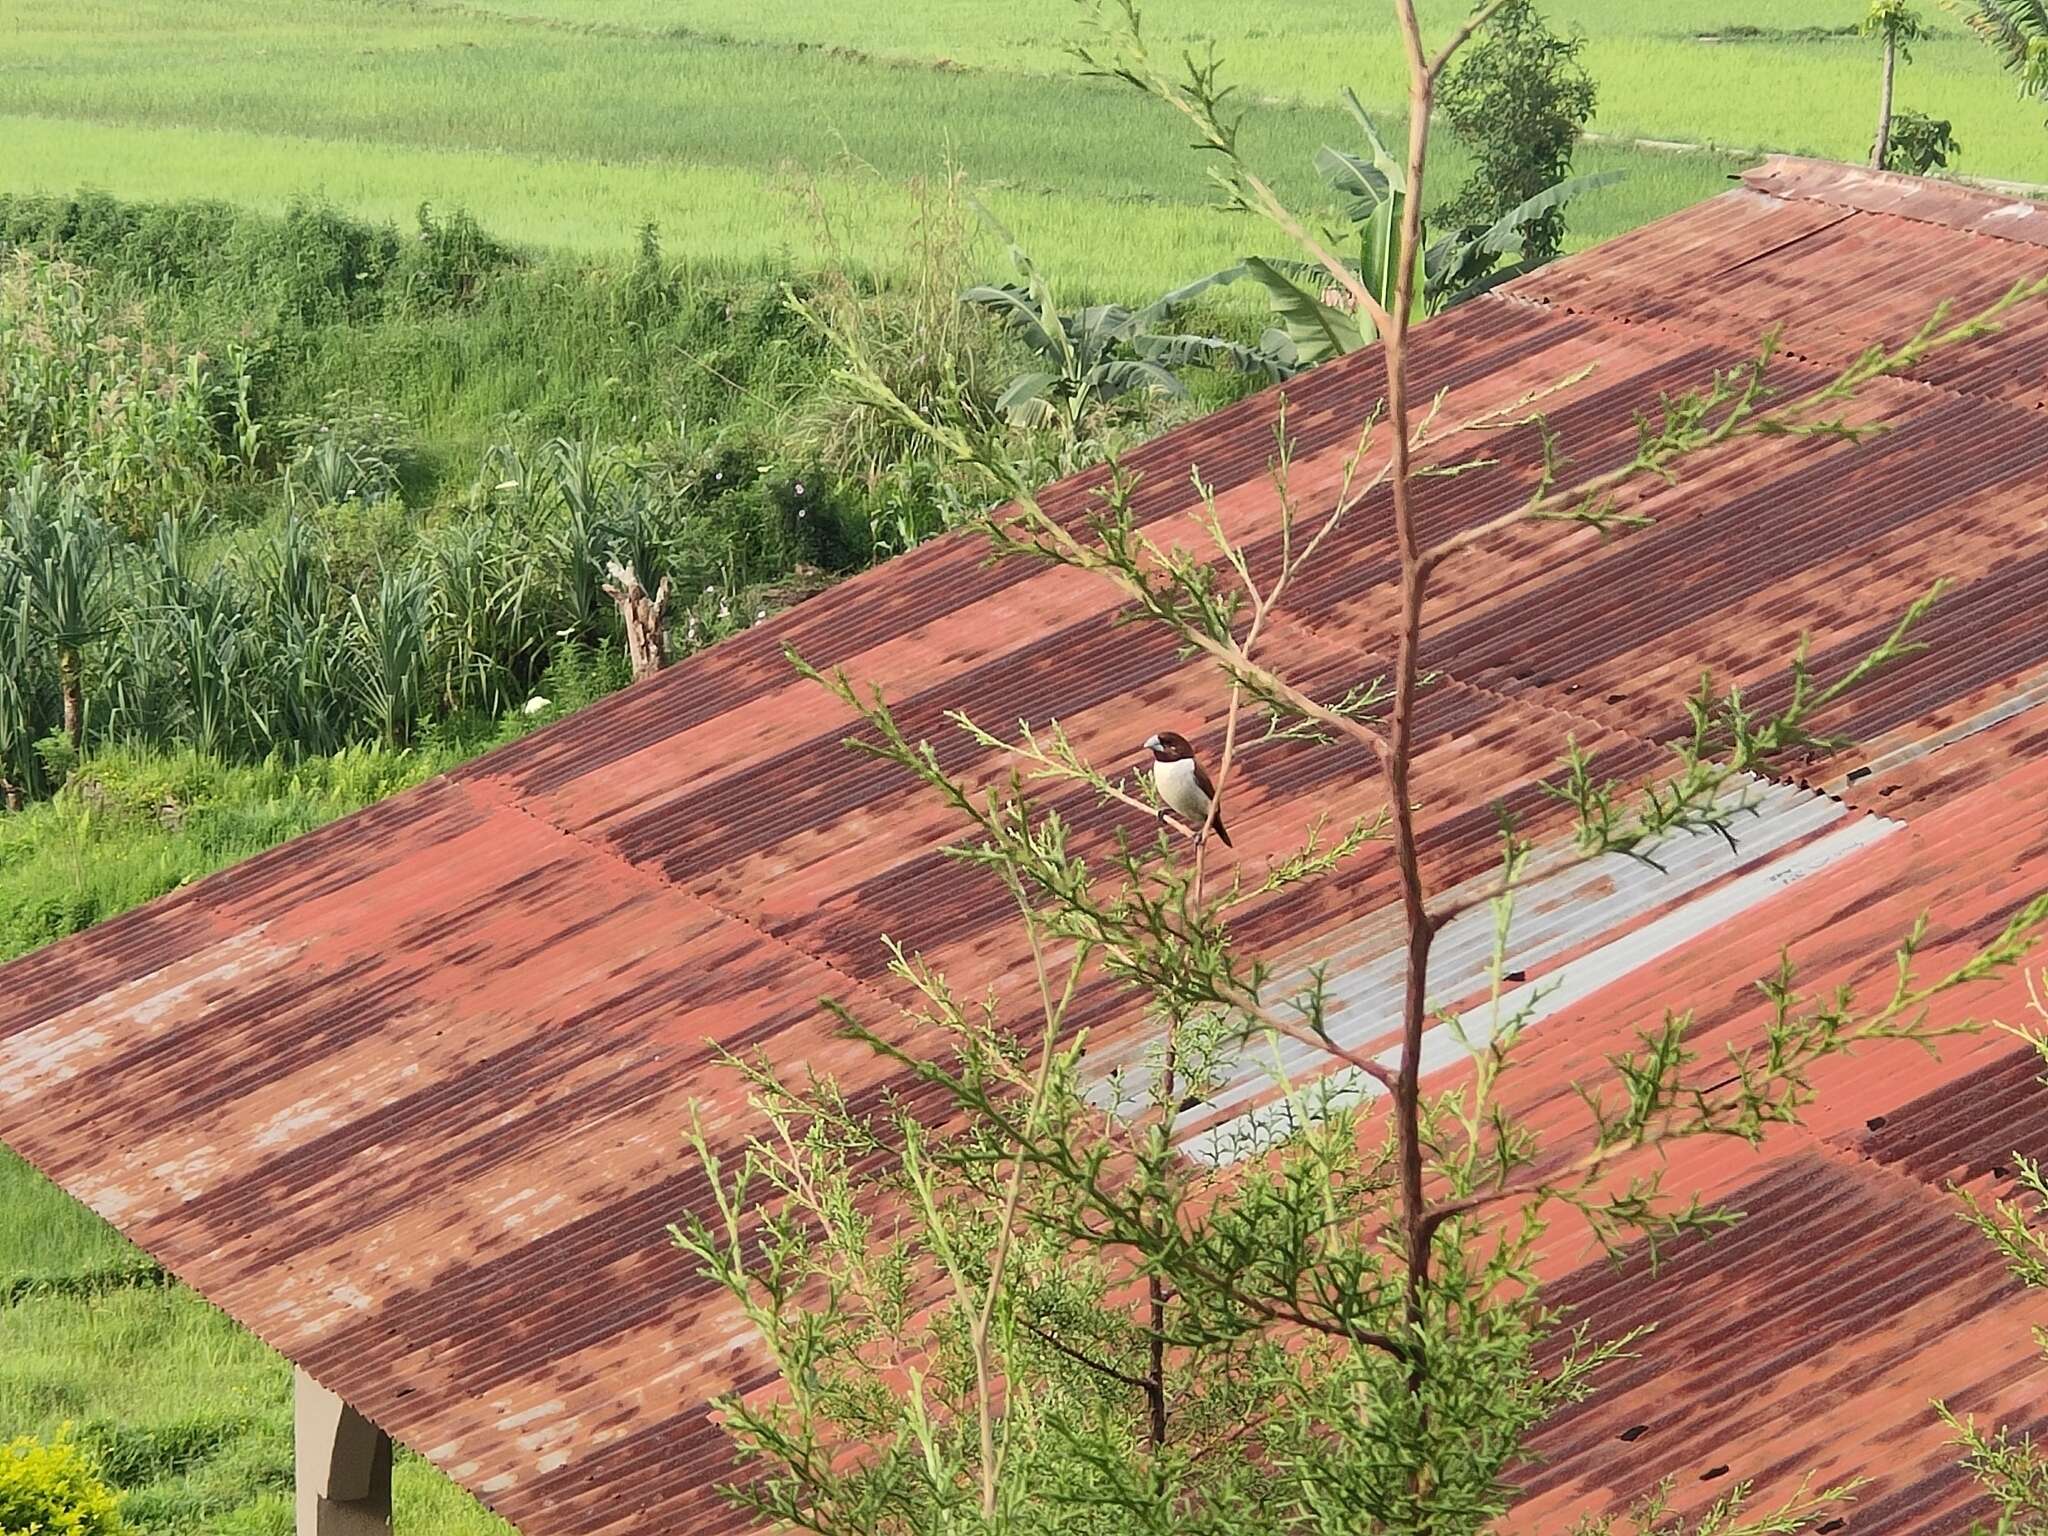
(1183, 788)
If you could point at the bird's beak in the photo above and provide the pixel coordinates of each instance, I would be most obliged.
(1151, 743)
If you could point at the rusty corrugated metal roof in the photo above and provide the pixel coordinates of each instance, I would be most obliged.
(404, 1096)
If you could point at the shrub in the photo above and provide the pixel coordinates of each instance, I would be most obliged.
(51, 1489)
(117, 412)
(1517, 99)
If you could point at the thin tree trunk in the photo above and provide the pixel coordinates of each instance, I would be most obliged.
(1882, 147)
(10, 794)
(644, 618)
(1155, 1372)
(74, 695)
(1398, 754)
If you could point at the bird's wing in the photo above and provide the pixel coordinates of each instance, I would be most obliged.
(1202, 781)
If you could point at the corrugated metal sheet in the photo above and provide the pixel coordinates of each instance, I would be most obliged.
(1573, 934)
(404, 1096)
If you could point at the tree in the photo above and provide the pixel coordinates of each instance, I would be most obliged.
(1012, 1302)
(1895, 23)
(1518, 98)
(2018, 30)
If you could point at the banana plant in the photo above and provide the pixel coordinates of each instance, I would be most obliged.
(1317, 322)
(1091, 356)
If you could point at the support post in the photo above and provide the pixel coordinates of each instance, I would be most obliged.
(343, 1465)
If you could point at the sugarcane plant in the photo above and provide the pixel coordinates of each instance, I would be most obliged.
(1018, 1298)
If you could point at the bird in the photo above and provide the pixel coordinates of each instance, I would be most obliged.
(1183, 787)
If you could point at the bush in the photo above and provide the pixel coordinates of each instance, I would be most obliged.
(1517, 98)
(51, 1489)
(114, 410)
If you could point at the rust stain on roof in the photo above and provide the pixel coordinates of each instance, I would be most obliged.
(404, 1096)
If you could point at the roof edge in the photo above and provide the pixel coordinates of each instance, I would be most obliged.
(1971, 210)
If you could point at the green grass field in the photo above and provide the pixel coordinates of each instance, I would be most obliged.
(571, 122)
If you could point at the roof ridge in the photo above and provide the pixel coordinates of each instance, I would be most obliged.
(1923, 199)
(1787, 348)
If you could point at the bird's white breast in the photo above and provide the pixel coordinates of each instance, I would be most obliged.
(1177, 787)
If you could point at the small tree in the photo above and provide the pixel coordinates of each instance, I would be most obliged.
(1087, 358)
(1014, 1301)
(1895, 24)
(1518, 98)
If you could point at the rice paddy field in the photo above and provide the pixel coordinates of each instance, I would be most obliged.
(769, 133)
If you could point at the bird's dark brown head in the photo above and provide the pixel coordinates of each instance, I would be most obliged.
(1169, 747)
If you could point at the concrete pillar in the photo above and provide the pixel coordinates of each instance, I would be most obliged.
(343, 1465)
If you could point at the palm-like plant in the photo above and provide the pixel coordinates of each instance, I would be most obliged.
(2018, 30)
(389, 636)
(305, 655)
(23, 701)
(63, 553)
(579, 539)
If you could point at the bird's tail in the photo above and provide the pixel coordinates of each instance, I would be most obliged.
(1217, 827)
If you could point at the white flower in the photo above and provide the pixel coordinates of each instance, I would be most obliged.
(724, 611)
(799, 487)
